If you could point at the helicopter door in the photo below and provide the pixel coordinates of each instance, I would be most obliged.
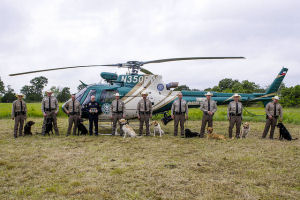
(107, 96)
(85, 112)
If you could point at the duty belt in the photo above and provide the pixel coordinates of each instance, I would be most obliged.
(20, 113)
(272, 116)
(49, 109)
(120, 112)
(179, 113)
(233, 114)
(144, 112)
(73, 113)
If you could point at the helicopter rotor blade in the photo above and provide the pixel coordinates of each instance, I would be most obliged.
(72, 67)
(189, 58)
(145, 71)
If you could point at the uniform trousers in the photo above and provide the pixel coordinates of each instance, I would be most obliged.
(19, 123)
(237, 121)
(270, 123)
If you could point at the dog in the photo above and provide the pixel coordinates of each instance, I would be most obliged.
(284, 133)
(190, 134)
(127, 130)
(245, 130)
(27, 128)
(157, 128)
(49, 126)
(81, 127)
(211, 135)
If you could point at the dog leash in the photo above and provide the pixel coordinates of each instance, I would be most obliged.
(252, 114)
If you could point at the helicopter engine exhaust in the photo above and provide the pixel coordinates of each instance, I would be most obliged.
(172, 85)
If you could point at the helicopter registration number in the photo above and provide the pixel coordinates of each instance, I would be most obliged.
(132, 78)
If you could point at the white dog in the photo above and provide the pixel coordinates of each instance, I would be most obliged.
(157, 128)
(127, 130)
(245, 129)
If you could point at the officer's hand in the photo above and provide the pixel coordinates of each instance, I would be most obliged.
(186, 117)
(45, 114)
(110, 117)
(68, 112)
(228, 119)
(56, 113)
(139, 117)
(96, 111)
(124, 116)
(151, 116)
(12, 118)
(172, 116)
(270, 117)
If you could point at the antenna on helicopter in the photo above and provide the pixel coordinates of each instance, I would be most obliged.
(134, 66)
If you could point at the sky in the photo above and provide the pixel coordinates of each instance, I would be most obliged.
(56, 33)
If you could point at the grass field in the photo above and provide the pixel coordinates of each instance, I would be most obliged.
(106, 167)
(291, 115)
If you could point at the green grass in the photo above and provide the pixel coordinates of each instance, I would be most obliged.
(34, 110)
(291, 115)
(106, 167)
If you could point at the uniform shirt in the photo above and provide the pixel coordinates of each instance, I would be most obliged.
(232, 108)
(16, 107)
(141, 106)
(69, 106)
(93, 106)
(204, 106)
(175, 107)
(53, 102)
(270, 110)
(121, 106)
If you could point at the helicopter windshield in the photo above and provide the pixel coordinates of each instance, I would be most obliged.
(80, 94)
(88, 97)
(107, 96)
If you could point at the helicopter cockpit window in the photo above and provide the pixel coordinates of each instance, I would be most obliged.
(88, 97)
(107, 96)
(80, 94)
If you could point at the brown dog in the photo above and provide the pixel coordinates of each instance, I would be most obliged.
(211, 135)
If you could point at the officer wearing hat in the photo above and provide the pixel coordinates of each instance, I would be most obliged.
(208, 107)
(179, 112)
(144, 113)
(50, 109)
(117, 112)
(235, 115)
(73, 109)
(19, 114)
(94, 109)
(273, 112)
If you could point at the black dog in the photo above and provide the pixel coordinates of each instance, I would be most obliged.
(166, 119)
(49, 126)
(284, 133)
(190, 134)
(81, 128)
(27, 128)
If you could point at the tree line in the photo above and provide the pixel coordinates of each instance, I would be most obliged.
(34, 91)
(290, 96)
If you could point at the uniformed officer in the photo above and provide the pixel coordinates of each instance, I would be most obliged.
(209, 107)
(19, 114)
(73, 109)
(179, 113)
(94, 110)
(273, 111)
(144, 113)
(50, 109)
(235, 115)
(117, 112)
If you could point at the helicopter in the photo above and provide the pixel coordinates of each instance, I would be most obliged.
(162, 95)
